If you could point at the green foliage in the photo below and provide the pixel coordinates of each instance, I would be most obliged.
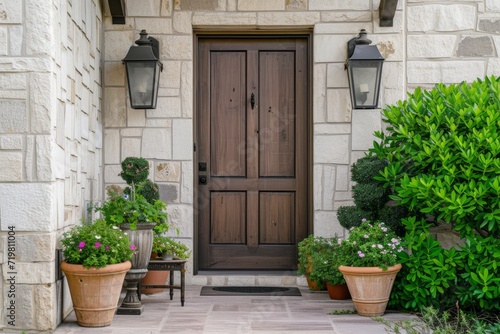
(96, 245)
(451, 134)
(119, 209)
(350, 216)
(481, 260)
(370, 245)
(370, 196)
(310, 245)
(325, 263)
(448, 322)
(429, 272)
(134, 170)
(133, 207)
(443, 153)
(365, 169)
(167, 245)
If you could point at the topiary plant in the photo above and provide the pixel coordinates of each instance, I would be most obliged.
(370, 197)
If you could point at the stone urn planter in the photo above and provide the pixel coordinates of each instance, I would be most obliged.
(370, 287)
(95, 292)
(142, 238)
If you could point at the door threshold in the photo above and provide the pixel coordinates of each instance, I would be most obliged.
(246, 273)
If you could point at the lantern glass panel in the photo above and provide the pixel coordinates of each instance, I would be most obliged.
(142, 84)
(364, 80)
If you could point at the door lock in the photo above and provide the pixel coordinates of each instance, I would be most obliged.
(202, 166)
(202, 179)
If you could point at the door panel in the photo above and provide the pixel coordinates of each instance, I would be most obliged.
(228, 120)
(252, 196)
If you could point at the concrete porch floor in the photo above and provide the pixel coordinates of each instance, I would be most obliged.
(310, 313)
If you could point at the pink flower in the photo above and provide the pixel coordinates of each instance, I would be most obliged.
(81, 245)
(360, 253)
(354, 242)
(97, 245)
(107, 247)
(132, 247)
(363, 220)
(366, 236)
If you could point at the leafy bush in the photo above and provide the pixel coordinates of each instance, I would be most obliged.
(350, 216)
(429, 273)
(452, 136)
(443, 152)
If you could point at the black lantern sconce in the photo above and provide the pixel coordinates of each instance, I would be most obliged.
(143, 67)
(364, 71)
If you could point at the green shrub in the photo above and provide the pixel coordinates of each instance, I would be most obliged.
(350, 216)
(365, 169)
(443, 152)
(370, 197)
(452, 136)
(369, 194)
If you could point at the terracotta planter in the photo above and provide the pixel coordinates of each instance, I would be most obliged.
(154, 277)
(370, 287)
(338, 292)
(95, 292)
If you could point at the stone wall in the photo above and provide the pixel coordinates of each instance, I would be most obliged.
(430, 42)
(52, 136)
(50, 146)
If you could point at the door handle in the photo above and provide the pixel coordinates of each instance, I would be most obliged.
(252, 100)
(202, 179)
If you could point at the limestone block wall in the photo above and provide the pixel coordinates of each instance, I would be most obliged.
(452, 41)
(164, 136)
(50, 147)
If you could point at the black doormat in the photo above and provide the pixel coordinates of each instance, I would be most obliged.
(249, 290)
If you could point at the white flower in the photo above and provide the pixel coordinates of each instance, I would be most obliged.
(115, 227)
(98, 237)
(380, 246)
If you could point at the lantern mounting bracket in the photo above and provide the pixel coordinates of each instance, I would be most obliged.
(386, 11)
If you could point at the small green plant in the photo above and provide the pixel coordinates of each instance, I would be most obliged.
(131, 206)
(370, 245)
(96, 245)
(166, 245)
(325, 263)
(432, 320)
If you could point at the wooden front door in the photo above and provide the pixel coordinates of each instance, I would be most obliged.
(251, 152)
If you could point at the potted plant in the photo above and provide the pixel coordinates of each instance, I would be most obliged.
(310, 245)
(138, 211)
(97, 257)
(368, 259)
(165, 248)
(326, 262)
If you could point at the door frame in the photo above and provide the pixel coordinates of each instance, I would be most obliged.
(307, 34)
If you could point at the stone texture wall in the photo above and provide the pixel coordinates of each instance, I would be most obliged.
(430, 42)
(53, 134)
(50, 145)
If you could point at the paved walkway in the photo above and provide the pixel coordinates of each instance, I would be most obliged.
(310, 313)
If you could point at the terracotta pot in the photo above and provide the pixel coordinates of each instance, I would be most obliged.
(95, 292)
(154, 277)
(338, 292)
(370, 287)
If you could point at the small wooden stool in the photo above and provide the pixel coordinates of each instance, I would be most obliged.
(167, 265)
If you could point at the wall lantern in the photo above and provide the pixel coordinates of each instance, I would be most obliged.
(364, 71)
(143, 72)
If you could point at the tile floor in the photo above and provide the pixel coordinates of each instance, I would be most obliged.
(310, 313)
